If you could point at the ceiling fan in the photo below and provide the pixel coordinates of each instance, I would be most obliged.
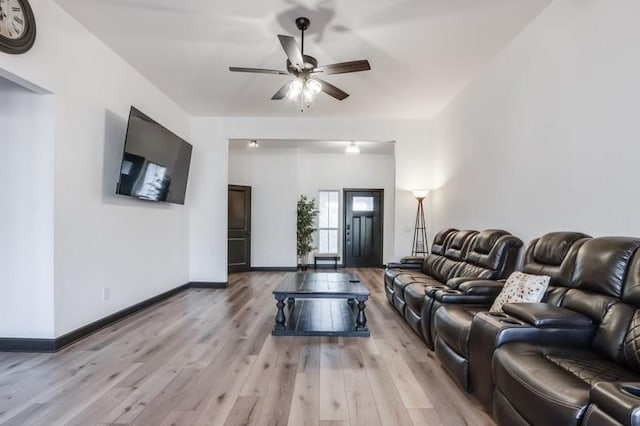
(305, 69)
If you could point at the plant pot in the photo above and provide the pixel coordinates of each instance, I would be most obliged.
(303, 262)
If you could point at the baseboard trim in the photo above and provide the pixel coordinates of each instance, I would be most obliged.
(273, 269)
(19, 344)
(207, 284)
(8, 344)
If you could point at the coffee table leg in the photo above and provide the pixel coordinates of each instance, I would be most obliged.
(361, 319)
(280, 318)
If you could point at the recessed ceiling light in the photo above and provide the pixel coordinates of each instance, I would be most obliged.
(254, 144)
(352, 149)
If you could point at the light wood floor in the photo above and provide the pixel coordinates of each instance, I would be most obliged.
(207, 357)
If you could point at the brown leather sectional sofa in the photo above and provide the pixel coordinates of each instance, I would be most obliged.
(573, 359)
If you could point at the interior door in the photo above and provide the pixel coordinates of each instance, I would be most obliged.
(239, 228)
(363, 227)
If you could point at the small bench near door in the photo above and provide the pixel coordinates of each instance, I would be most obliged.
(333, 257)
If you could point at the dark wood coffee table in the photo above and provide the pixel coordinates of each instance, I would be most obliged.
(321, 304)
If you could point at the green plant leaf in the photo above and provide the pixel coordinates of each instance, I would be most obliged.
(307, 213)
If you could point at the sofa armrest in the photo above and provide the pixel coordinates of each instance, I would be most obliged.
(406, 266)
(412, 260)
(482, 287)
(620, 400)
(456, 282)
(543, 315)
(458, 297)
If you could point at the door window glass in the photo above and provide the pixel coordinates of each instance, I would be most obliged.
(362, 204)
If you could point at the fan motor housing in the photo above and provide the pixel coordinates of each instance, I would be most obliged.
(309, 63)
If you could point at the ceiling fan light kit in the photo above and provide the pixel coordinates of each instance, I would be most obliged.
(304, 68)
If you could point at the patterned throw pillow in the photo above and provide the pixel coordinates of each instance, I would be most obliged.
(521, 288)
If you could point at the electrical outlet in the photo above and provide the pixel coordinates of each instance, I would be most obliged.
(407, 228)
(105, 293)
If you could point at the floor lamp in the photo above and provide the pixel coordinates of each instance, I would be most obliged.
(420, 246)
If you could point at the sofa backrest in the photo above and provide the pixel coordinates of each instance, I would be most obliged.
(439, 244)
(459, 245)
(492, 255)
(554, 254)
(456, 247)
(631, 298)
(604, 268)
(438, 248)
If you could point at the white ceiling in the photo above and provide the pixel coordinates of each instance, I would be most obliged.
(312, 146)
(422, 52)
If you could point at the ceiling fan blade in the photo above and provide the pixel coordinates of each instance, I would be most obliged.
(257, 70)
(332, 90)
(344, 67)
(280, 94)
(292, 50)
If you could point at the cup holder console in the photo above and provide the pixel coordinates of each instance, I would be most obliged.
(430, 290)
(503, 318)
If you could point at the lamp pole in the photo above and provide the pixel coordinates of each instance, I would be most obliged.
(420, 246)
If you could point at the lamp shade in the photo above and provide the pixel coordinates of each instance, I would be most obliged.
(420, 194)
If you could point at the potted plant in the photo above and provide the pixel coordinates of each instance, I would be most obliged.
(307, 213)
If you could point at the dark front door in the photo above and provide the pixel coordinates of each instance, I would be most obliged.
(239, 228)
(363, 227)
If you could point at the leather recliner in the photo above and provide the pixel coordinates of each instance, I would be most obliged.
(413, 265)
(551, 364)
(437, 269)
(553, 254)
(492, 255)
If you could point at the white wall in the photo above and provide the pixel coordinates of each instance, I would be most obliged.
(210, 177)
(340, 171)
(272, 175)
(548, 137)
(26, 212)
(278, 176)
(135, 249)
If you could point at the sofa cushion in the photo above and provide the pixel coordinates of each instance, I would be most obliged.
(402, 281)
(414, 295)
(441, 268)
(521, 288)
(453, 323)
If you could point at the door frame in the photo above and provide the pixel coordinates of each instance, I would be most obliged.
(380, 247)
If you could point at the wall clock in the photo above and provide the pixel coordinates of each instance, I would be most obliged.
(17, 26)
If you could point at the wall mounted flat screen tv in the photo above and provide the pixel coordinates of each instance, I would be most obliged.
(155, 163)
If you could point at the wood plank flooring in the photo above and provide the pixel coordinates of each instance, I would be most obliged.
(207, 357)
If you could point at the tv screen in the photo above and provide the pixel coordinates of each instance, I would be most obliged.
(155, 163)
